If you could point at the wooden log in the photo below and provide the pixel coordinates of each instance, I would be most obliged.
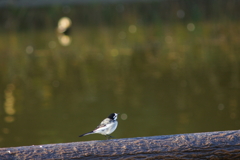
(209, 145)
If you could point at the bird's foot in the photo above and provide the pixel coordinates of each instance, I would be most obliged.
(108, 137)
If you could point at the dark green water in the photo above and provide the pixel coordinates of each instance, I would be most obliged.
(164, 74)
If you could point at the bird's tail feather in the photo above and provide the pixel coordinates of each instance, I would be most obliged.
(86, 134)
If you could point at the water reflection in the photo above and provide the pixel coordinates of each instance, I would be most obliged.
(63, 29)
(166, 76)
(9, 103)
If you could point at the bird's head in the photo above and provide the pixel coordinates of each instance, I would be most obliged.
(113, 116)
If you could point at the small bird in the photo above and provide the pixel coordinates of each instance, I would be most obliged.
(106, 127)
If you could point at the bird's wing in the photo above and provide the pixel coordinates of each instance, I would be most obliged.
(103, 125)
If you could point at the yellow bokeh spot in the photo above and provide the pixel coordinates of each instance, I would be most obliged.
(9, 119)
(114, 52)
(132, 29)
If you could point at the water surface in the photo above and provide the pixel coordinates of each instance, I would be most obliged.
(168, 71)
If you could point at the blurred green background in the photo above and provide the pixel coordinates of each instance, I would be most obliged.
(169, 67)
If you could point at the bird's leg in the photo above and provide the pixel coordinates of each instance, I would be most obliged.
(111, 136)
(106, 137)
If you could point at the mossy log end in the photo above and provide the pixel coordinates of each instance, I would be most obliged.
(209, 145)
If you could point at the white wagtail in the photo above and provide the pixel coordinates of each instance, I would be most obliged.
(106, 127)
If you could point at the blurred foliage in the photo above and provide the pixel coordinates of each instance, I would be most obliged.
(145, 13)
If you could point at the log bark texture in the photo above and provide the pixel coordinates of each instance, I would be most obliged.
(209, 145)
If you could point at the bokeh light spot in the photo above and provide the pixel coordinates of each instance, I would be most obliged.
(221, 106)
(132, 29)
(5, 130)
(124, 116)
(63, 24)
(180, 14)
(9, 119)
(114, 52)
(64, 40)
(29, 49)
(191, 27)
